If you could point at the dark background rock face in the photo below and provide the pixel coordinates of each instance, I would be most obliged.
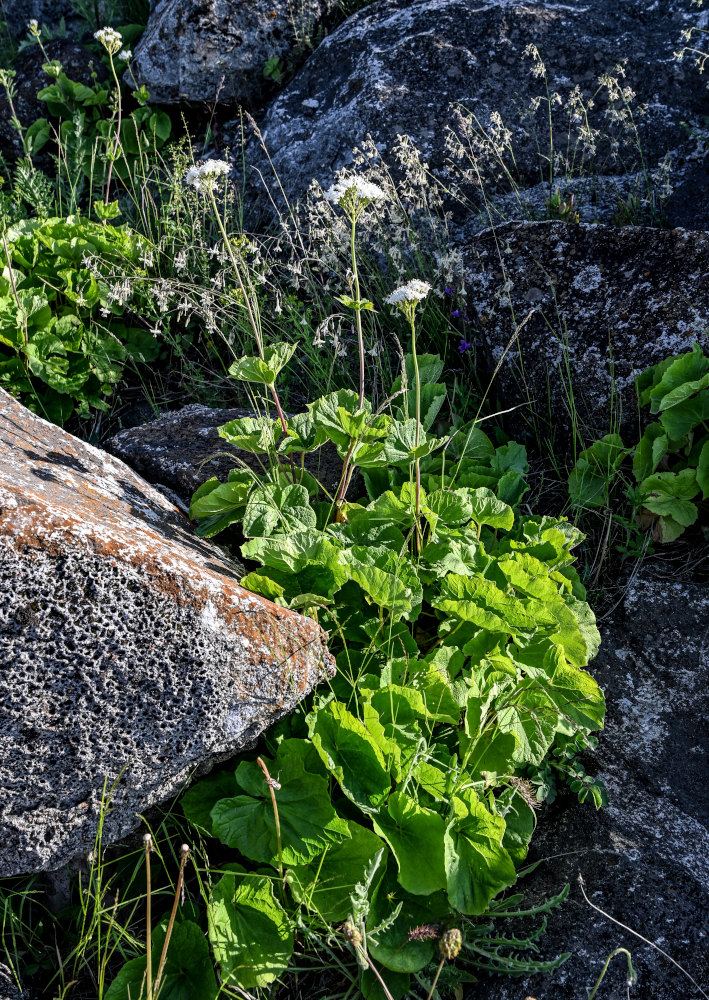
(18, 13)
(128, 652)
(607, 303)
(645, 857)
(193, 50)
(182, 449)
(398, 67)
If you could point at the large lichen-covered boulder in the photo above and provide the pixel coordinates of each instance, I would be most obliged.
(401, 66)
(644, 858)
(209, 50)
(130, 657)
(570, 314)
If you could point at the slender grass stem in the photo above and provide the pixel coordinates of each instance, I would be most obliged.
(272, 786)
(184, 854)
(148, 842)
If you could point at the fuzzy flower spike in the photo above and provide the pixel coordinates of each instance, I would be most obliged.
(353, 195)
(205, 176)
(111, 40)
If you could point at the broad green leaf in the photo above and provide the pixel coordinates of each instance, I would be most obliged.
(415, 836)
(188, 974)
(216, 505)
(307, 819)
(327, 414)
(532, 719)
(394, 914)
(257, 435)
(449, 507)
(480, 601)
(487, 509)
(302, 434)
(271, 507)
(296, 551)
(679, 420)
(703, 470)
(325, 885)
(258, 583)
(249, 931)
(199, 800)
(520, 822)
(351, 754)
(573, 692)
(389, 580)
(477, 865)
(651, 447)
(471, 443)
(682, 378)
(263, 371)
(401, 446)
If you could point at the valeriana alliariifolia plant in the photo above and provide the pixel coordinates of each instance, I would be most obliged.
(354, 195)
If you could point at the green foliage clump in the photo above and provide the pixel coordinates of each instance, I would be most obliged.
(401, 800)
(65, 336)
(670, 463)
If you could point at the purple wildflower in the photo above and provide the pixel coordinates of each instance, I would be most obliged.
(464, 346)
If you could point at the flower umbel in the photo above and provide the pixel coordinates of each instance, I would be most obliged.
(407, 297)
(205, 176)
(110, 39)
(353, 195)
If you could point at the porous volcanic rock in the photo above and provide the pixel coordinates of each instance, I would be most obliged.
(600, 304)
(182, 449)
(400, 67)
(644, 858)
(129, 653)
(204, 50)
(8, 987)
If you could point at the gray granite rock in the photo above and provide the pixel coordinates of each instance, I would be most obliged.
(644, 858)
(399, 67)
(130, 657)
(182, 449)
(209, 50)
(605, 303)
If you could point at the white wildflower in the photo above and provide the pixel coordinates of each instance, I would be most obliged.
(181, 260)
(33, 27)
(409, 294)
(126, 55)
(353, 195)
(205, 176)
(110, 39)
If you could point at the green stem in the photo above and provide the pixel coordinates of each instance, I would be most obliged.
(358, 311)
(418, 427)
(618, 951)
(272, 788)
(435, 978)
(147, 840)
(114, 151)
(184, 852)
(248, 304)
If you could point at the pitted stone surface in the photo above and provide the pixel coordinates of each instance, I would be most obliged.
(129, 653)
(8, 987)
(606, 303)
(209, 50)
(401, 66)
(183, 449)
(645, 857)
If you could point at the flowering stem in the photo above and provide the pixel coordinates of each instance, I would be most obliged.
(114, 152)
(247, 303)
(418, 422)
(358, 310)
(435, 978)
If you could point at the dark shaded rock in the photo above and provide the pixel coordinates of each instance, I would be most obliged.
(204, 50)
(30, 78)
(398, 67)
(606, 303)
(645, 857)
(8, 986)
(128, 652)
(183, 449)
(18, 13)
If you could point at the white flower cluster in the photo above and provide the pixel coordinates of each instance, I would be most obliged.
(354, 188)
(110, 39)
(409, 294)
(126, 55)
(33, 27)
(205, 176)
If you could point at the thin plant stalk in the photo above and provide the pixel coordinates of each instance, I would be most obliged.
(184, 854)
(119, 120)
(148, 842)
(358, 309)
(247, 302)
(417, 378)
(272, 787)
